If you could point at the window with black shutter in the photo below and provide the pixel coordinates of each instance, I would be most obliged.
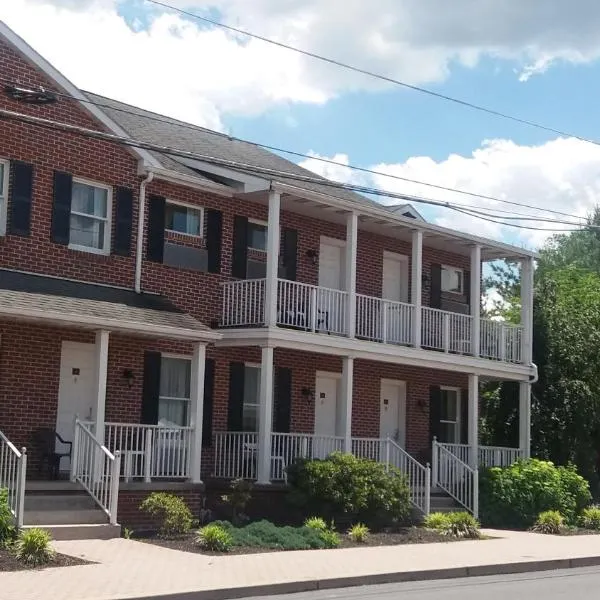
(20, 197)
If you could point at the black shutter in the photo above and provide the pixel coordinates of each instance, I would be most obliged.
(150, 388)
(464, 416)
(240, 247)
(283, 399)
(156, 229)
(467, 286)
(435, 288)
(235, 417)
(61, 208)
(123, 221)
(207, 415)
(20, 195)
(290, 253)
(214, 233)
(435, 411)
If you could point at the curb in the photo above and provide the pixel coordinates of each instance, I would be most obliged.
(380, 578)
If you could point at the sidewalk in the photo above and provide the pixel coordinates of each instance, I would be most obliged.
(127, 569)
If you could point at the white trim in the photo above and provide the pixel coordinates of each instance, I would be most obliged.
(328, 375)
(462, 280)
(258, 222)
(4, 192)
(191, 206)
(397, 256)
(458, 423)
(252, 365)
(396, 382)
(331, 241)
(264, 224)
(189, 181)
(176, 356)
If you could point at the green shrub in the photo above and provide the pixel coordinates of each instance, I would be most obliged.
(358, 533)
(436, 520)
(345, 487)
(514, 496)
(7, 528)
(455, 524)
(240, 493)
(316, 523)
(590, 518)
(215, 538)
(549, 521)
(172, 512)
(330, 538)
(33, 547)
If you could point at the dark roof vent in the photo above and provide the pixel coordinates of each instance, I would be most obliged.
(28, 96)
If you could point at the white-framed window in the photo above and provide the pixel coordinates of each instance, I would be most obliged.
(91, 207)
(257, 235)
(453, 280)
(184, 218)
(174, 392)
(4, 166)
(251, 398)
(449, 415)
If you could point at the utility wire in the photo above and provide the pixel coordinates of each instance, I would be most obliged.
(339, 63)
(169, 121)
(240, 166)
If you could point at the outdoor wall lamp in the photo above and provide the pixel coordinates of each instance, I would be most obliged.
(307, 393)
(129, 376)
(312, 254)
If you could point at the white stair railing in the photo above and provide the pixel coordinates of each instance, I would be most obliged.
(419, 476)
(455, 477)
(96, 469)
(13, 467)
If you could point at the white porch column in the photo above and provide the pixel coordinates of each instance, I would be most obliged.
(416, 285)
(473, 424)
(525, 418)
(273, 242)
(351, 250)
(197, 410)
(527, 310)
(101, 368)
(347, 391)
(475, 293)
(265, 416)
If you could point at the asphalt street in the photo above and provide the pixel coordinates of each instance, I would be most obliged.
(577, 584)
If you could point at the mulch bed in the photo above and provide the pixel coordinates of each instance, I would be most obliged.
(409, 535)
(8, 562)
(577, 531)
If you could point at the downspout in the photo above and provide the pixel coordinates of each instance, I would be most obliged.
(140, 231)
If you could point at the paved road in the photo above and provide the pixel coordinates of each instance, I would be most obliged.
(575, 584)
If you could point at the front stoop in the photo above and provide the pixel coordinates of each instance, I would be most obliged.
(443, 502)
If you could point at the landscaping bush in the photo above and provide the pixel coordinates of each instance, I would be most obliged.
(33, 547)
(172, 512)
(358, 533)
(214, 537)
(514, 496)
(346, 488)
(436, 520)
(316, 523)
(240, 493)
(590, 518)
(330, 538)
(7, 529)
(454, 524)
(549, 521)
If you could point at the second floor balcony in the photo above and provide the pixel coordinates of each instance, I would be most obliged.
(317, 309)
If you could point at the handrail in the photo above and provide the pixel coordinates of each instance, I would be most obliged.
(96, 469)
(13, 468)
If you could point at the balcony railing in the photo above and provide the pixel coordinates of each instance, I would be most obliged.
(312, 308)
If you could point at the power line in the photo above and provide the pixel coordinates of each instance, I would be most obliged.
(239, 166)
(167, 120)
(339, 63)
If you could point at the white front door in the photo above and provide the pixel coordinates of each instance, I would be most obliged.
(392, 421)
(395, 288)
(331, 305)
(326, 414)
(75, 390)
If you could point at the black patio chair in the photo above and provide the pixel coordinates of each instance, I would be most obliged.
(44, 441)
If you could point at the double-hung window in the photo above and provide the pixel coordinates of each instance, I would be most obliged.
(256, 268)
(90, 217)
(174, 393)
(453, 280)
(450, 416)
(251, 398)
(182, 218)
(3, 195)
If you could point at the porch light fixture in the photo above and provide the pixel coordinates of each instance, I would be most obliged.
(312, 254)
(307, 393)
(129, 376)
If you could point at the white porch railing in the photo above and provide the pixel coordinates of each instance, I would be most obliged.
(13, 467)
(151, 451)
(501, 341)
(455, 477)
(384, 320)
(488, 456)
(96, 469)
(371, 448)
(448, 331)
(243, 303)
(235, 455)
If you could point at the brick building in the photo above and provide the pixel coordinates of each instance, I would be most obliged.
(219, 313)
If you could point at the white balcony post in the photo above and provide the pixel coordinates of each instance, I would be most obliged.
(347, 391)
(197, 411)
(527, 309)
(273, 242)
(99, 400)
(525, 418)
(351, 250)
(265, 416)
(475, 293)
(416, 286)
(473, 418)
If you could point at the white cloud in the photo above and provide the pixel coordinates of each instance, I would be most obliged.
(336, 172)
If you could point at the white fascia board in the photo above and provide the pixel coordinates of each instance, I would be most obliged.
(41, 63)
(187, 181)
(386, 353)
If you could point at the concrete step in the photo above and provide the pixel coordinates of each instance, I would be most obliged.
(64, 517)
(81, 531)
(58, 501)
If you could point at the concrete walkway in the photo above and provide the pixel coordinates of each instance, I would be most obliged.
(128, 569)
